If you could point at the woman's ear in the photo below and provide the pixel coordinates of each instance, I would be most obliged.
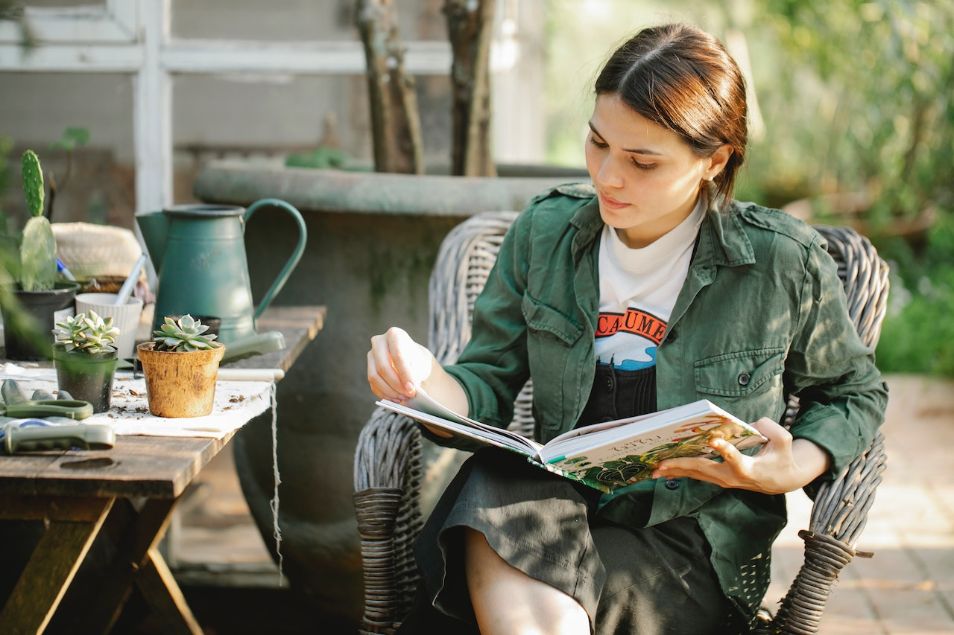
(717, 162)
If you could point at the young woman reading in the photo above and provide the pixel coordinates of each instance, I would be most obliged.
(650, 289)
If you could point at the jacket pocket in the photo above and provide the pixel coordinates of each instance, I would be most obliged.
(545, 319)
(740, 374)
(550, 339)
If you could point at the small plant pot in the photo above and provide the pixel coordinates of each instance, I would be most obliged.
(86, 377)
(180, 384)
(26, 329)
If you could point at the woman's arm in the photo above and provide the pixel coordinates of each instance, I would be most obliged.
(491, 369)
(841, 393)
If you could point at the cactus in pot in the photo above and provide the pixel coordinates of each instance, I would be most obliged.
(31, 311)
(181, 365)
(38, 247)
(84, 353)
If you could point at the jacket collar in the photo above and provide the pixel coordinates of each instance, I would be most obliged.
(722, 238)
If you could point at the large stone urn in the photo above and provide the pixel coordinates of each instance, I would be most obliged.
(373, 239)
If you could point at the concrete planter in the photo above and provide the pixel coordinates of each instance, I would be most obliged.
(373, 239)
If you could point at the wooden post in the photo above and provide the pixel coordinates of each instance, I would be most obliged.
(395, 123)
(469, 27)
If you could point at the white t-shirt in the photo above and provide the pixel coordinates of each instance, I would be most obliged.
(638, 288)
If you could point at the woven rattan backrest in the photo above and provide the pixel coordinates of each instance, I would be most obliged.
(464, 261)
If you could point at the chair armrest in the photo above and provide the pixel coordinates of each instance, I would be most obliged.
(838, 517)
(387, 481)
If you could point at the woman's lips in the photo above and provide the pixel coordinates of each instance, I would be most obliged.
(612, 203)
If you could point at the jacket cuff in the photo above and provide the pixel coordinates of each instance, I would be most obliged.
(826, 427)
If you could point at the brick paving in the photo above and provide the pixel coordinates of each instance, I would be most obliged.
(907, 588)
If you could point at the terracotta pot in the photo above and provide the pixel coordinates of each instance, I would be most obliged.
(180, 384)
(86, 377)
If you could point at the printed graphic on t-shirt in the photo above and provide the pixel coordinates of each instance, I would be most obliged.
(629, 340)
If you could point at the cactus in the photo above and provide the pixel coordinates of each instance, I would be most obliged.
(183, 335)
(32, 182)
(38, 247)
(87, 333)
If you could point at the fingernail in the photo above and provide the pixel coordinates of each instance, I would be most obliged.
(409, 388)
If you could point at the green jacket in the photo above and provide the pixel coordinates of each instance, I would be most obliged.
(762, 314)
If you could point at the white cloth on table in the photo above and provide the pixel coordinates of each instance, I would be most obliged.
(236, 402)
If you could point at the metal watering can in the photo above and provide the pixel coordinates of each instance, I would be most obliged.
(199, 255)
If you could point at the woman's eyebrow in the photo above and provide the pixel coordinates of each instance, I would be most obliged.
(633, 150)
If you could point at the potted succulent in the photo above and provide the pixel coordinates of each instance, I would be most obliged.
(84, 353)
(181, 365)
(39, 298)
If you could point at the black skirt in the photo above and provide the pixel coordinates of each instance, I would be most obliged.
(651, 580)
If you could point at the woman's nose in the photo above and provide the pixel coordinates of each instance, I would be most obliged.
(609, 174)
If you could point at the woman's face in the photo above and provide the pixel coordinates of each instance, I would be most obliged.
(646, 176)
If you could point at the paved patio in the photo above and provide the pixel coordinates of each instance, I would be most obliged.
(908, 587)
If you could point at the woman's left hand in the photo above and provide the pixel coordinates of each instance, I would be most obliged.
(776, 468)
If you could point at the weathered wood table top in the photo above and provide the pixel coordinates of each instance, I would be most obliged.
(77, 492)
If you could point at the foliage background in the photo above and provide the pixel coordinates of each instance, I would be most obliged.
(845, 96)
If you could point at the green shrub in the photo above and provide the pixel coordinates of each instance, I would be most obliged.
(918, 332)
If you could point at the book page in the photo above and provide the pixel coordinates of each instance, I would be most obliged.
(627, 451)
(469, 428)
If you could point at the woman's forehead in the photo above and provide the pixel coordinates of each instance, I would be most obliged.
(619, 125)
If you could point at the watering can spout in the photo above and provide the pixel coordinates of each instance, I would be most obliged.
(155, 229)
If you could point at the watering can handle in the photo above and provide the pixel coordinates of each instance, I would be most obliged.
(292, 260)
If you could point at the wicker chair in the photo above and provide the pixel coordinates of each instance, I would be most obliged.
(387, 467)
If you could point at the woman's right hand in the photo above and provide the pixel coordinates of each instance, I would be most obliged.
(397, 365)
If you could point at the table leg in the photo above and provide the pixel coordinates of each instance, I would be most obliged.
(164, 597)
(138, 558)
(51, 569)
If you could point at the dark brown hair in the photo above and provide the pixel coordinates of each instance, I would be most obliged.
(682, 78)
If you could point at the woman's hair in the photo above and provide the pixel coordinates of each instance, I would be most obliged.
(682, 78)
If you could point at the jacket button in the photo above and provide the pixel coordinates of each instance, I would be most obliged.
(671, 336)
(744, 379)
(672, 483)
(610, 384)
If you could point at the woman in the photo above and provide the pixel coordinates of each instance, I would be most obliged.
(651, 289)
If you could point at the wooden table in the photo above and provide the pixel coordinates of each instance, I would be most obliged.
(126, 495)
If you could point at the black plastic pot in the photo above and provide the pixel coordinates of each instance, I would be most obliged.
(86, 377)
(27, 328)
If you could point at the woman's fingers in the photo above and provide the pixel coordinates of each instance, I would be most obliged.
(379, 386)
(399, 345)
(775, 433)
(380, 361)
(397, 364)
(699, 468)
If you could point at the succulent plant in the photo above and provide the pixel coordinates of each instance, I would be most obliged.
(183, 335)
(38, 247)
(86, 333)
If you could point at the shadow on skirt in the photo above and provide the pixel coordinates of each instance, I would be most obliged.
(655, 580)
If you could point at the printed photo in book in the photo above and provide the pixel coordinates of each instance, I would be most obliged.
(605, 456)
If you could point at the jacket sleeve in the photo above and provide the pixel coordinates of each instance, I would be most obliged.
(493, 366)
(842, 396)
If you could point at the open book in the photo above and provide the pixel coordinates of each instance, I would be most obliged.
(604, 456)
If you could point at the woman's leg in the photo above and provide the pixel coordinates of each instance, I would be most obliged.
(508, 601)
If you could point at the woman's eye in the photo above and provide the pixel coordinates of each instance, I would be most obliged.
(598, 144)
(642, 166)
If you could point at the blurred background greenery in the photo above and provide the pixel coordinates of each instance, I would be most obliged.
(851, 112)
